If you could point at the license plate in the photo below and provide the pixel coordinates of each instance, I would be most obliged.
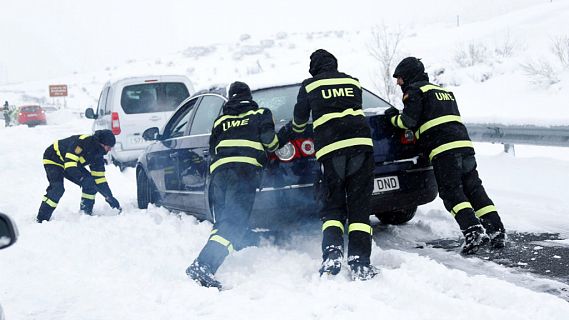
(32, 115)
(385, 184)
(136, 140)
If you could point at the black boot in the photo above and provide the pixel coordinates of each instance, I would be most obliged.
(86, 206)
(44, 213)
(495, 229)
(474, 238)
(332, 261)
(202, 274)
(361, 270)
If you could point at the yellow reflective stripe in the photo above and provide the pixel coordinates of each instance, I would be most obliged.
(332, 82)
(343, 144)
(70, 164)
(333, 223)
(435, 122)
(334, 115)
(98, 173)
(298, 130)
(88, 196)
(214, 231)
(485, 210)
(299, 126)
(82, 160)
(432, 87)
(72, 157)
(358, 226)
(396, 121)
(223, 118)
(463, 205)
(224, 242)
(101, 180)
(56, 148)
(49, 202)
(83, 136)
(274, 144)
(449, 146)
(220, 162)
(240, 143)
(46, 161)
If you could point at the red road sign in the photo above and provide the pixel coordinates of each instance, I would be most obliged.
(58, 90)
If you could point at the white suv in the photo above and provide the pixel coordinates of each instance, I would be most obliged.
(131, 105)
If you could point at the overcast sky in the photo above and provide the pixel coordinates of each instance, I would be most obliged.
(45, 39)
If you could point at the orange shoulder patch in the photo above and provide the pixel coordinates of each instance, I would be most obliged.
(78, 150)
(405, 97)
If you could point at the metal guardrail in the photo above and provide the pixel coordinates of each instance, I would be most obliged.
(555, 136)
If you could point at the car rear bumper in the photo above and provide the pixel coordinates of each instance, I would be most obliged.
(417, 187)
(126, 156)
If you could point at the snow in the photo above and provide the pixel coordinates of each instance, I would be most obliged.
(131, 266)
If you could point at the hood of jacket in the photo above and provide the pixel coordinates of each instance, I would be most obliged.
(322, 61)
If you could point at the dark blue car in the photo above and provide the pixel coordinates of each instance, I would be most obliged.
(173, 171)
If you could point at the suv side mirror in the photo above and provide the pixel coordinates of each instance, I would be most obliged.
(90, 114)
(151, 134)
(8, 231)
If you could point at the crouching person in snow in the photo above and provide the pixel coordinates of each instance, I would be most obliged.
(67, 158)
(343, 146)
(238, 144)
(432, 112)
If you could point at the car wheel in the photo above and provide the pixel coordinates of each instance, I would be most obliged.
(143, 195)
(398, 216)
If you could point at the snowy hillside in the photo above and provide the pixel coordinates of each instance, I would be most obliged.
(131, 266)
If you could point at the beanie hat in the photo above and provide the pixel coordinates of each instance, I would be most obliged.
(105, 137)
(239, 91)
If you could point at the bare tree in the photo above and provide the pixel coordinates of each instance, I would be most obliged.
(540, 73)
(384, 49)
(560, 48)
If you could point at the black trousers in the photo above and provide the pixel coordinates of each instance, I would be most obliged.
(346, 194)
(461, 190)
(234, 190)
(55, 175)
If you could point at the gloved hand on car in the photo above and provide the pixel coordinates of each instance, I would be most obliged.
(113, 202)
(390, 112)
(285, 134)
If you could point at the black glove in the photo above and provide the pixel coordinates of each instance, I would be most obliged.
(114, 203)
(390, 112)
(285, 134)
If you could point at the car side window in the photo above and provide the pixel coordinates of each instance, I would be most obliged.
(208, 110)
(107, 106)
(102, 101)
(177, 125)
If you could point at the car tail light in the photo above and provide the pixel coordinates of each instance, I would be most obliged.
(298, 148)
(286, 153)
(115, 123)
(408, 137)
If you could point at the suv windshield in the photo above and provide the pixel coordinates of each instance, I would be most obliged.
(281, 101)
(153, 97)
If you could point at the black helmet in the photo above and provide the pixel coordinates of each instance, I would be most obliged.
(239, 91)
(105, 137)
(409, 68)
(322, 60)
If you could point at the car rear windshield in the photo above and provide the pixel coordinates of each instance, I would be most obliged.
(153, 97)
(281, 101)
(30, 109)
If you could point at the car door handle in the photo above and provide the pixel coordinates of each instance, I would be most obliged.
(206, 153)
(155, 118)
(173, 155)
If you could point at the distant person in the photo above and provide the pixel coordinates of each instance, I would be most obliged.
(432, 112)
(67, 158)
(6, 111)
(343, 147)
(238, 144)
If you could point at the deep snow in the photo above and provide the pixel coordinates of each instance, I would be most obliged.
(132, 266)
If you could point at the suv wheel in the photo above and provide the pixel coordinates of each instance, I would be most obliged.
(397, 217)
(143, 190)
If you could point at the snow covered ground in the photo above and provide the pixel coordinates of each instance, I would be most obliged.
(131, 266)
